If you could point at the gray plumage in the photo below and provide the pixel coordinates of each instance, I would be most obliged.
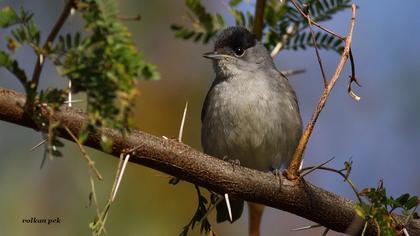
(250, 113)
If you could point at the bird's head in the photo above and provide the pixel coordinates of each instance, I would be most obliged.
(237, 50)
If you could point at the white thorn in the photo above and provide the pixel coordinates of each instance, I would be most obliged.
(228, 206)
(306, 227)
(70, 95)
(181, 128)
(301, 165)
(54, 148)
(120, 176)
(354, 96)
(164, 137)
(72, 11)
(74, 101)
(41, 59)
(405, 232)
(39, 144)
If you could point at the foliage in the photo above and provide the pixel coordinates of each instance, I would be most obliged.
(103, 63)
(380, 207)
(200, 216)
(283, 23)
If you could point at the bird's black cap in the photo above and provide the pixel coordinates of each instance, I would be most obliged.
(234, 37)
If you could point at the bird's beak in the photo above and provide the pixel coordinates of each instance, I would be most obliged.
(214, 55)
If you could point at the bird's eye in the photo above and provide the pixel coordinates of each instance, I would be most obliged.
(239, 51)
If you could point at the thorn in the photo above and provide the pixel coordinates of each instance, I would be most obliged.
(164, 137)
(127, 157)
(70, 95)
(307, 227)
(181, 128)
(41, 59)
(72, 11)
(354, 96)
(315, 167)
(228, 206)
(74, 101)
(301, 165)
(39, 144)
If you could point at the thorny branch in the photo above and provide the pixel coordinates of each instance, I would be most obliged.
(324, 77)
(90, 162)
(56, 28)
(293, 169)
(174, 158)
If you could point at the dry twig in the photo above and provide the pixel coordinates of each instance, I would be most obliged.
(293, 169)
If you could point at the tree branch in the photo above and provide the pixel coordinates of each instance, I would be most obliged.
(54, 31)
(172, 157)
(259, 18)
(293, 169)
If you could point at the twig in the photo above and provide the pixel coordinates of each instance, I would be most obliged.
(90, 162)
(325, 231)
(211, 208)
(259, 18)
(353, 79)
(290, 30)
(410, 216)
(287, 73)
(314, 168)
(324, 78)
(94, 198)
(56, 28)
(346, 178)
(293, 169)
(316, 23)
(364, 228)
(104, 215)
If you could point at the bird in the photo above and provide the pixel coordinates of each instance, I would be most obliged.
(250, 113)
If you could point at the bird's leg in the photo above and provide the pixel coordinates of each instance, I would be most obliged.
(277, 173)
(255, 215)
(234, 162)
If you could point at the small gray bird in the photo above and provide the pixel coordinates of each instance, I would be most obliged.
(250, 113)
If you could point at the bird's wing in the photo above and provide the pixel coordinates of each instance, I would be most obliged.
(207, 99)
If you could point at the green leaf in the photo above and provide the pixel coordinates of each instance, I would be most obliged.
(5, 60)
(402, 200)
(234, 3)
(411, 203)
(106, 144)
(149, 71)
(12, 66)
(8, 17)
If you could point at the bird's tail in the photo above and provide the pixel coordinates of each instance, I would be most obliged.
(255, 215)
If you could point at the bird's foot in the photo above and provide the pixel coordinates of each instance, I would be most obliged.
(234, 163)
(278, 174)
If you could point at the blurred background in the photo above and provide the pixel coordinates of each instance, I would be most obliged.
(380, 134)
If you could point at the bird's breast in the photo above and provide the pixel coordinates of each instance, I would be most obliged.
(245, 120)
